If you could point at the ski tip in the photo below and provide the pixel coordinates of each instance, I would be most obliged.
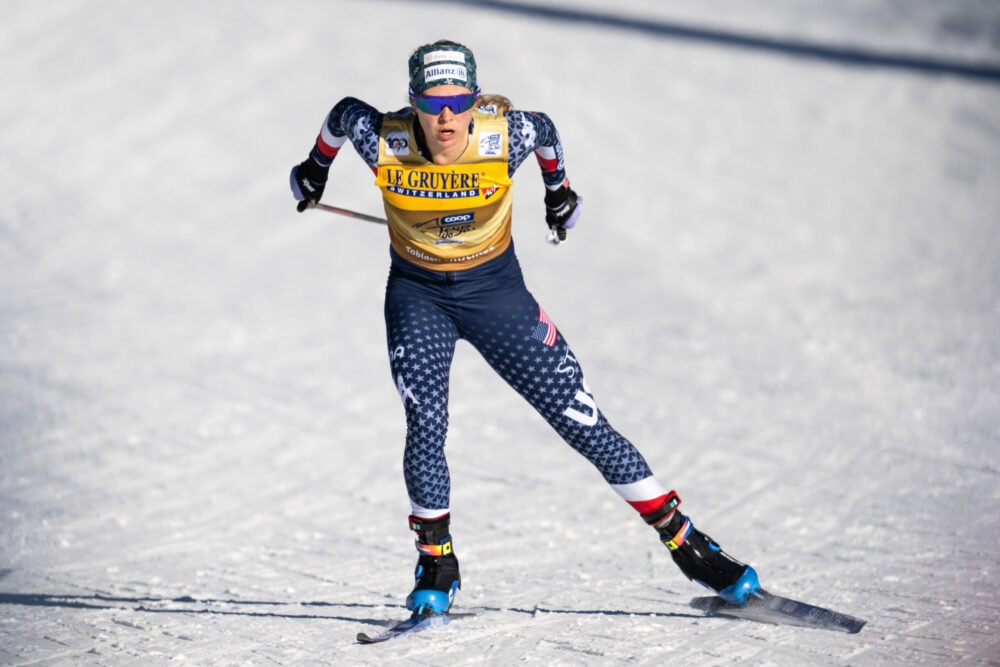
(855, 628)
(365, 639)
(778, 610)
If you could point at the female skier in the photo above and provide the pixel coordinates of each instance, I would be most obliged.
(444, 167)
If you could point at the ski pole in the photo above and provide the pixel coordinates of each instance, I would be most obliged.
(348, 213)
(553, 237)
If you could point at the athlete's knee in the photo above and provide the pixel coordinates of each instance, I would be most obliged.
(426, 421)
(582, 409)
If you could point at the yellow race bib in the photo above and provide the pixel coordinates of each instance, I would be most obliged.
(450, 217)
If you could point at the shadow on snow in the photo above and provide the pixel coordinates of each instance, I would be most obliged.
(189, 605)
(832, 53)
(183, 605)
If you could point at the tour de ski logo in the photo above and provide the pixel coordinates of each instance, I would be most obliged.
(448, 229)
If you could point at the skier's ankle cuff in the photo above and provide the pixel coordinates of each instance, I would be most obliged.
(662, 515)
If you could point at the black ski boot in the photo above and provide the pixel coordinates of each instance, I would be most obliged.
(699, 557)
(437, 568)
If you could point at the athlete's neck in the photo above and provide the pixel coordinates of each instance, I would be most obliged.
(446, 150)
(449, 155)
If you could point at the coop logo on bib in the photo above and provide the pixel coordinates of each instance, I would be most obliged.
(457, 218)
(491, 145)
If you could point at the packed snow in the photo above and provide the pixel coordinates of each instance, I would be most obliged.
(784, 289)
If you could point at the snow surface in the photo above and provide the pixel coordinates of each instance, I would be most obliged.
(785, 289)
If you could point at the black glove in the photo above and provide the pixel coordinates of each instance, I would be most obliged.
(562, 209)
(308, 180)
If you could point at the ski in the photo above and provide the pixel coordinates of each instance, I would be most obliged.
(768, 608)
(413, 624)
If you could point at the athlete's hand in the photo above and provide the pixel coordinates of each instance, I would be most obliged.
(308, 180)
(562, 209)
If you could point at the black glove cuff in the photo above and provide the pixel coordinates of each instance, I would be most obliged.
(556, 199)
(313, 172)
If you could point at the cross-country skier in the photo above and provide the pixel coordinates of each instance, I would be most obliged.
(444, 166)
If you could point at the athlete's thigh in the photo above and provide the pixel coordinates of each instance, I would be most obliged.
(525, 348)
(522, 344)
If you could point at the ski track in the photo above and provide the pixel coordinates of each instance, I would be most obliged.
(785, 289)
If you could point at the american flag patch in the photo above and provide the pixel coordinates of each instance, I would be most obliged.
(545, 331)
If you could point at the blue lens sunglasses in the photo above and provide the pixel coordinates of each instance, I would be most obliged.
(435, 104)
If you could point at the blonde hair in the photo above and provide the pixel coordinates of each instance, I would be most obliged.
(503, 104)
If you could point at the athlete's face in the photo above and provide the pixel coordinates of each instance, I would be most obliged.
(447, 133)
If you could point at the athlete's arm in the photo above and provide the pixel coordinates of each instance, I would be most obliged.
(533, 132)
(350, 119)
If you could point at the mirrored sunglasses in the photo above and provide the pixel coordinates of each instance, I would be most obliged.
(435, 104)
